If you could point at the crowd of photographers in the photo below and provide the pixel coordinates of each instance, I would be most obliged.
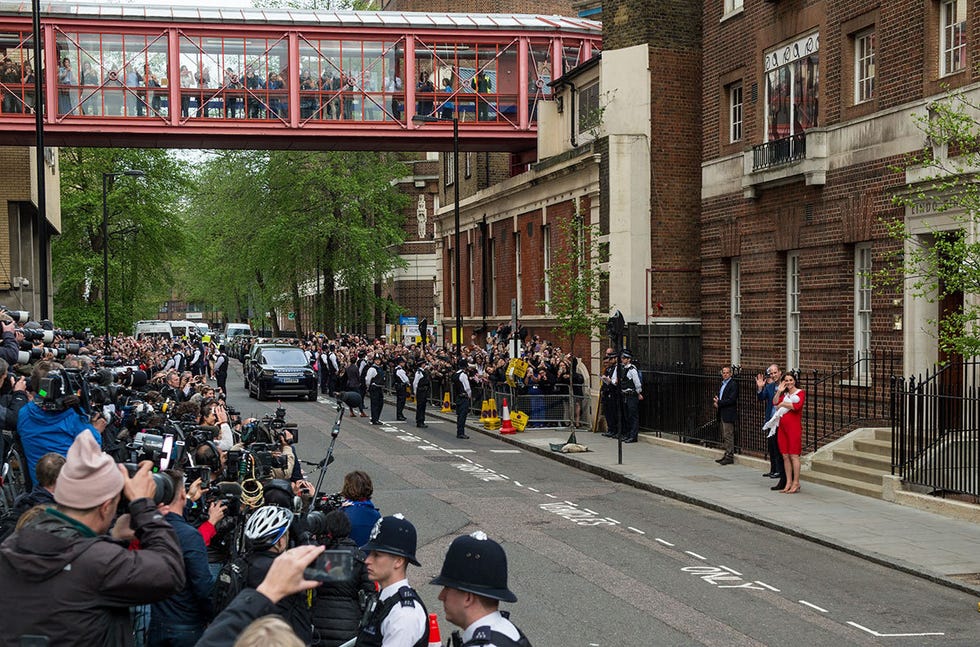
(153, 514)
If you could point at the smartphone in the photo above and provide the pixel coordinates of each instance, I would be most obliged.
(203, 473)
(331, 566)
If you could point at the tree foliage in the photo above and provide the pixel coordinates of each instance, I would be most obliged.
(271, 227)
(946, 261)
(145, 235)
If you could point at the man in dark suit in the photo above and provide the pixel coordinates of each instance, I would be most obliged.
(726, 402)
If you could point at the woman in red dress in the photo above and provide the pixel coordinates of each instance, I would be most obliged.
(790, 433)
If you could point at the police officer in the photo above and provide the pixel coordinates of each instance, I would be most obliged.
(631, 392)
(421, 387)
(461, 389)
(401, 388)
(374, 380)
(397, 618)
(609, 394)
(221, 369)
(474, 581)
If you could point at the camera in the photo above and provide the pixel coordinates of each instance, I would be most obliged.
(203, 473)
(163, 450)
(164, 492)
(331, 566)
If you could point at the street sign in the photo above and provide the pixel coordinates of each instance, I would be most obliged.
(408, 321)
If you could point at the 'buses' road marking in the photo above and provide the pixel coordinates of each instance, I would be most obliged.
(813, 606)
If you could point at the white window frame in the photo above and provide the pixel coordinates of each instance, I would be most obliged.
(864, 66)
(587, 105)
(450, 169)
(517, 270)
(546, 237)
(733, 5)
(736, 106)
(787, 56)
(862, 306)
(736, 311)
(950, 50)
(792, 310)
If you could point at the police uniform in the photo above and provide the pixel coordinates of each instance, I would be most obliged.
(422, 387)
(477, 564)
(221, 369)
(397, 617)
(461, 388)
(374, 380)
(630, 388)
(401, 389)
(609, 393)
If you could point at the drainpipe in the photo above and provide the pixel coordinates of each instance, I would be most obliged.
(571, 96)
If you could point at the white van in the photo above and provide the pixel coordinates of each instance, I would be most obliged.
(153, 328)
(233, 330)
(183, 329)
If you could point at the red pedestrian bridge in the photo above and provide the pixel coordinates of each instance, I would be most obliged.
(181, 77)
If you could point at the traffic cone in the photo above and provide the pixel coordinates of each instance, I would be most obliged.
(507, 427)
(447, 405)
(435, 640)
(484, 411)
(493, 420)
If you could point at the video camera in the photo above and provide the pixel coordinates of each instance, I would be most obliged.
(163, 450)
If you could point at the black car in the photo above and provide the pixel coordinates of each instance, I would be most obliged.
(280, 369)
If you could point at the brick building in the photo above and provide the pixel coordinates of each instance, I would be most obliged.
(19, 239)
(808, 112)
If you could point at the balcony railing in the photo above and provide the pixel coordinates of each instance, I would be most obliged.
(779, 151)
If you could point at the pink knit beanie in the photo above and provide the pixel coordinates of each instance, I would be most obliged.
(89, 477)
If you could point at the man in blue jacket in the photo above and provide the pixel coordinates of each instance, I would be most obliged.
(180, 620)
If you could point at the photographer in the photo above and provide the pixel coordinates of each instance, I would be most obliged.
(53, 419)
(214, 413)
(9, 342)
(66, 579)
(267, 535)
(179, 621)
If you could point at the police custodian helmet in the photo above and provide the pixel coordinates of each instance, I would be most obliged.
(394, 535)
(476, 564)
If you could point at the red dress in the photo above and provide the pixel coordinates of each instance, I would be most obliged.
(790, 433)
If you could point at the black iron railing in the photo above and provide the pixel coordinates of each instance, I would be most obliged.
(936, 428)
(779, 151)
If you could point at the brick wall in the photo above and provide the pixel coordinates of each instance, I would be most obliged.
(15, 189)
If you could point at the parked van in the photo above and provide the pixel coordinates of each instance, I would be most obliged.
(233, 330)
(152, 328)
(183, 329)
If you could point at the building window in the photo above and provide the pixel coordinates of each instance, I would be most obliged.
(452, 281)
(792, 88)
(952, 36)
(546, 236)
(517, 270)
(589, 113)
(450, 168)
(735, 113)
(469, 261)
(732, 5)
(792, 310)
(493, 274)
(468, 166)
(864, 66)
(736, 313)
(862, 305)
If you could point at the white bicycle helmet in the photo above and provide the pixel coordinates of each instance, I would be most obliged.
(266, 526)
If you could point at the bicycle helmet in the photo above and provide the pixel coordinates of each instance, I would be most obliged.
(266, 526)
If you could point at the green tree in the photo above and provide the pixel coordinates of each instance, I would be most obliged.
(145, 236)
(946, 261)
(574, 280)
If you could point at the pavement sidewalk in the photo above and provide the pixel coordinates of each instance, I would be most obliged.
(926, 544)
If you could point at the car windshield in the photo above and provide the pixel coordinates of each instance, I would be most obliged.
(284, 357)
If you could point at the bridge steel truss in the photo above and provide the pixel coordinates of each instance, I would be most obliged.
(256, 78)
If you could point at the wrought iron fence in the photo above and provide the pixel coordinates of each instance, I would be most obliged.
(936, 428)
(779, 151)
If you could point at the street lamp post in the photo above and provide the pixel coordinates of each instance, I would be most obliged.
(459, 313)
(105, 243)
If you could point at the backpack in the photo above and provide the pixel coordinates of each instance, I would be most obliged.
(229, 583)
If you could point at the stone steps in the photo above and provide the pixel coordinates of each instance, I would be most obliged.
(856, 465)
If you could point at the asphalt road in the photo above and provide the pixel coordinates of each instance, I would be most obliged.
(596, 564)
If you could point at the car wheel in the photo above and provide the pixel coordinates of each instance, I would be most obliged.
(260, 392)
(312, 396)
(249, 389)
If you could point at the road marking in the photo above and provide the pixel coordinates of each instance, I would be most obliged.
(505, 451)
(587, 510)
(462, 451)
(573, 513)
(505, 477)
(430, 448)
(881, 635)
(533, 489)
(715, 575)
(771, 588)
(518, 484)
(573, 504)
(729, 569)
(694, 555)
(663, 541)
(410, 439)
(813, 606)
(636, 530)
(552, 496)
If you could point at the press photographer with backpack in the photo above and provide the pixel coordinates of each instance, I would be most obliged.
(63, 578)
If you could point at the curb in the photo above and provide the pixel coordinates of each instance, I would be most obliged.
(793, 531)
